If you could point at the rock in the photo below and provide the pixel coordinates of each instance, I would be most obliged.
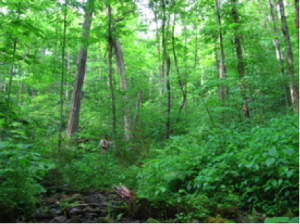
(74, 219)
(95, 198)
(59, 219)
(76, 210)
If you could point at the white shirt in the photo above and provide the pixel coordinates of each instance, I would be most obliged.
(104, 142)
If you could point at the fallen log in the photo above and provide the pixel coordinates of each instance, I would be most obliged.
(124, 192)
(84, 140)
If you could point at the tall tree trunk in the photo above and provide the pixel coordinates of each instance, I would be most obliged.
(222, 69)
(276, 43)
(8, 101)
(73, 122)
(124, 87)
(62, 77)
(110, 79)
(297, 20)
(289, 53)
(180, 82)
(239, 55)
(160, 75)
(167, 61)
(137, 107)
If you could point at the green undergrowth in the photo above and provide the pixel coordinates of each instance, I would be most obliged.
(209, 174)
(247, 166)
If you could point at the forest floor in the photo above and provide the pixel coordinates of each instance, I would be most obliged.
(98, 206)
(93, 206)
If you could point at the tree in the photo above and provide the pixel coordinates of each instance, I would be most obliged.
(73, 122)
(289, 55)
(240, 60)
(297, 20)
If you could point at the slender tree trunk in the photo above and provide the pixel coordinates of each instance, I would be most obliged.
(110, 72)
(68, 75)
(289, 53)
(167, 61)
(73, 122)
(124, 86)
(297, 20)
(195, 59)
(160, 74)
(137, 107)
(180, 83)
(8, 101)
(222, 69)
(276, 43)
(62, 78)
(239, 54)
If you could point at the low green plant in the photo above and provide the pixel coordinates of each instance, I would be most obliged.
(20, 171)
(246, 166)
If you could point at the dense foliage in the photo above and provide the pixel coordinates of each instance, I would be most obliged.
(200, 100)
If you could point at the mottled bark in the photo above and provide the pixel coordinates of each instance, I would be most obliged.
(73, 122)
(289, 53)
(124, 86)
(239, 54)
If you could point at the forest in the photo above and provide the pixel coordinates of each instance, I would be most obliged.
(199, 99)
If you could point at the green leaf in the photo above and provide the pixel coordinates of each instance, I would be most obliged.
(289, 151)
(294, 220)
(270, 161)
(277, 220)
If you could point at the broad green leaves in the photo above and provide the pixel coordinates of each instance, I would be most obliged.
(248, 164)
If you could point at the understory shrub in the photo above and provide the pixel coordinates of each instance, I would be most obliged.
(20, 171)
(247, 166)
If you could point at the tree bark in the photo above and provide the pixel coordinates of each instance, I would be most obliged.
(276, 43)
(124, 87)
(73, 122)
(8, 101)
(289, 53)
(160, 75)
(167, 61)
(239, 55)
(222, 69)
(297, 21)
(180, 82)
(62, 77)
(110, 79)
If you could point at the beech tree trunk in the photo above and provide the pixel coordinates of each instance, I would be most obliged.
(73, 122)
(124, 87)
(289, 53)
(239, 54)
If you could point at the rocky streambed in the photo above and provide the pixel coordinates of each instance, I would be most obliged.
(95, 206)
